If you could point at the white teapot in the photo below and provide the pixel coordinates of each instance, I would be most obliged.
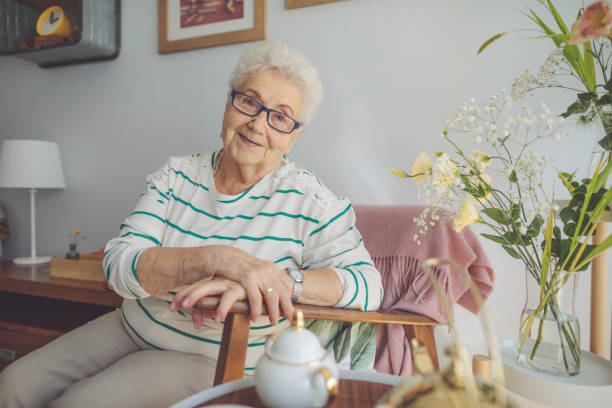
(295, 371)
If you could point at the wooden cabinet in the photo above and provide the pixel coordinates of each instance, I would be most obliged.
(35, 309)
(96, 35)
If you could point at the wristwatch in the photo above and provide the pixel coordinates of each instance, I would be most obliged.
(298, 279)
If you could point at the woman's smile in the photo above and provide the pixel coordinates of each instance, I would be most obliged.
(248, 141)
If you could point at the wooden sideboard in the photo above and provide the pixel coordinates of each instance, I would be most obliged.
(36, 308)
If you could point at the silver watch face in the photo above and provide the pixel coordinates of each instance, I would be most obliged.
(296, 275)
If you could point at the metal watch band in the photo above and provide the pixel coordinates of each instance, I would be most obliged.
(297, 291)
(298, 277)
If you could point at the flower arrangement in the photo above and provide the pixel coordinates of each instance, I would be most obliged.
(75, 237)
(499, 184)
(586, 71)
(580, 63)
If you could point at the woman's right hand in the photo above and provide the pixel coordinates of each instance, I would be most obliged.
(263, 281)
(230, 292)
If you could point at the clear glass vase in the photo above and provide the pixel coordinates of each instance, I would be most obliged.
(549, 334)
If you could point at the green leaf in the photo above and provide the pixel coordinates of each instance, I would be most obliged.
(567, 215)
(583, 261)
(364, 347)
(496, 215)
(342, 344)
(511, 251)
(603, 246)
(513, 177)
(557, 232)
(515, 211)
(333, 333)
(589, 66)
(557, 17)
(534, 227)
(569, 229)
(317, 326)
(495, 238)
(490, 41)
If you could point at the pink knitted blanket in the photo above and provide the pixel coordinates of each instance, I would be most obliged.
(388, 233)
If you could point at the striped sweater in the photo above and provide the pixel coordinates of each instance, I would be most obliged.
(289, 217)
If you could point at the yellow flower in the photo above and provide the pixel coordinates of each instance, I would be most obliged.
(421, 168)
(466, 215)
(77, 232)
(399, 173)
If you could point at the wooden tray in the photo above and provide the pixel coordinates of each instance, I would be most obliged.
(87, 267)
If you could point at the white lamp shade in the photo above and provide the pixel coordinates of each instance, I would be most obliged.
(30, 164)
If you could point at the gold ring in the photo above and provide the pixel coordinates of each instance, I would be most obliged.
(269, 290)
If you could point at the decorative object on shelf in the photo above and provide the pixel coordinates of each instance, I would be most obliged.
(95, 36)
(53, 21)
(455, 385)
(186, 25)
(506, 183)
(31, 164)
(87, 267)
(291, 4)
(74, 239)
(295, 370)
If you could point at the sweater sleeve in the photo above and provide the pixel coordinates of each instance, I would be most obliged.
(336, 243)
(141, 230)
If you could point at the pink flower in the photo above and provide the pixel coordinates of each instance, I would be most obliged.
(595, 23)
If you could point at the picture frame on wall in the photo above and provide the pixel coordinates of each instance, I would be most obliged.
(291, 4)
(190, 24)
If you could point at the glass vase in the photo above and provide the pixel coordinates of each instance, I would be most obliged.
(72, 252)
(549, 334)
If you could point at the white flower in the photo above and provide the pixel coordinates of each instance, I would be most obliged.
(466, 215)
(523, 230)
(444, 171)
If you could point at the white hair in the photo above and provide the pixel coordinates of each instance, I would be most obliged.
(291, 64)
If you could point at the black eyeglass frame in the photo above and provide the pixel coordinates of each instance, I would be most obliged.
(262, 107)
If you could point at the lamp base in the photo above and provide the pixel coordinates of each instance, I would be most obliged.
(28, 260)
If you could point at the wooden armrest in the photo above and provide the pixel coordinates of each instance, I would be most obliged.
(234, 341)
(332, 313)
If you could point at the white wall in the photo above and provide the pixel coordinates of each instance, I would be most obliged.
(393, 71)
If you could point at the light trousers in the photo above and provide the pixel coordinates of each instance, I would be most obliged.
(100, 365)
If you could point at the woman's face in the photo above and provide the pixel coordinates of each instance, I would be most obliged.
(250, 141)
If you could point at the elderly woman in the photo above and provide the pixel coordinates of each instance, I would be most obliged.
(242, 222)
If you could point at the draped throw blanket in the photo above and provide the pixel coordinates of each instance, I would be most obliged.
(388, 234)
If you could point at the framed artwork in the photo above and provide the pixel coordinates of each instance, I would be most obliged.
(189, 24)
(291, 4)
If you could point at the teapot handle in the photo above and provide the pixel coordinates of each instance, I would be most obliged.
(331, 383)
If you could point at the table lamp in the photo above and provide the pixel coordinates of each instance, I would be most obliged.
(31, 164)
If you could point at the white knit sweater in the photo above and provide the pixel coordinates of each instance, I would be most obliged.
(289, 217)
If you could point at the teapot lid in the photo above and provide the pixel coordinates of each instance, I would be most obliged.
(296, 344)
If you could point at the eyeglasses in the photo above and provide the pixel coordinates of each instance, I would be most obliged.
(251, 107)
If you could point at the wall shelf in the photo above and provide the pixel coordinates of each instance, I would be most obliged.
(96, 37)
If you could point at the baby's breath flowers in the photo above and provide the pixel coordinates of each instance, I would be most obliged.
(499, 174)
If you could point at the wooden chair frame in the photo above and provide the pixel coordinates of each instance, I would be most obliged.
(232, 353)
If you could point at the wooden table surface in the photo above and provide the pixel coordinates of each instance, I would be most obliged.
(352, 394)
(35, 280)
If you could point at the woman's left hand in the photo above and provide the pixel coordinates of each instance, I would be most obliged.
(230, 292)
